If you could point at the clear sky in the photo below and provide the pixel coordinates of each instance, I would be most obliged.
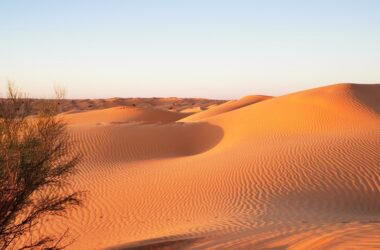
(194, 48)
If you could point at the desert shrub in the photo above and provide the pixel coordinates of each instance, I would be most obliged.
(36, 160)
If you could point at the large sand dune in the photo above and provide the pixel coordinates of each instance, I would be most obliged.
(300, 171)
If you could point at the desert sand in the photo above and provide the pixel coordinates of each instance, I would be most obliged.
(299, 171)
(171, 104)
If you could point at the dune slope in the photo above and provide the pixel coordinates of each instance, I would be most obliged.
(123, 115)
(226, 107)
(300, 171)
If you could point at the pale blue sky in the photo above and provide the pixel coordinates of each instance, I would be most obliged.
(195, 48)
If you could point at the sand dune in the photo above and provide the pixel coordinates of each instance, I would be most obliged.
(123, 143)
(172, 103)
(193, 110)
(299, 171)
(123, 115)
(226, 107)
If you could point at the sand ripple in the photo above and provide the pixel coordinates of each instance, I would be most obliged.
(300, 171)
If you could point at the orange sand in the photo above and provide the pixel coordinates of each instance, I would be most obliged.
(123, 115)
(300, 171)
(226, 107)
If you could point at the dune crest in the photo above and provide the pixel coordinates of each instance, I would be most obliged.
(226, 107)
(122, 115)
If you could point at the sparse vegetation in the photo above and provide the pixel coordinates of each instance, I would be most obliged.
(36, 159)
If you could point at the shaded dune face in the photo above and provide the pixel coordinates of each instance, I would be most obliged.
(123, 115)
(300, 171)
(368, 96)
(124, 143)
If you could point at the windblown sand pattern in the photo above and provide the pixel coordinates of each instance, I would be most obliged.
(300, 171)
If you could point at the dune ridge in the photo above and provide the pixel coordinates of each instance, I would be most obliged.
(123, 115)
(299, 171)
(226, 107)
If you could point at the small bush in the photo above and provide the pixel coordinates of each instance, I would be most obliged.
(36, 159)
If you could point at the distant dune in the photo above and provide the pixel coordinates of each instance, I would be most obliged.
(171, 103)
(299, 171)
